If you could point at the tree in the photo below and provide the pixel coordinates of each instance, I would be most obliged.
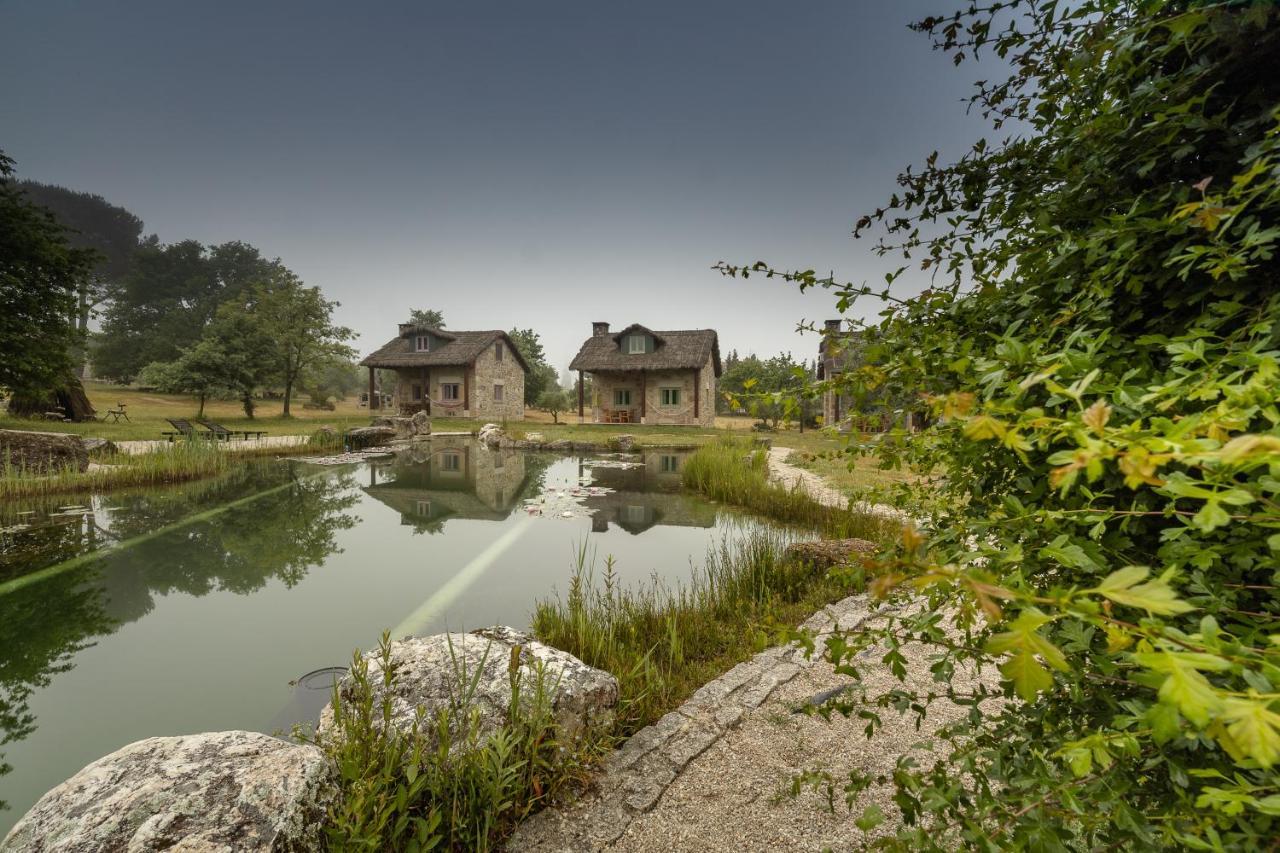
(169, 296)
(428, 317)
(92, 222)
(555, 400)
(541, 376)
(1102, 335)
(767, 388)
(203, 371)
(296, 325)
(40, 275)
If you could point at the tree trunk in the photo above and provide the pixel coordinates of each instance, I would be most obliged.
(288, 392)
(200, 412)
(69, 399)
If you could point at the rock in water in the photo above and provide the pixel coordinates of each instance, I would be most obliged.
(421, 423)
(214, 791)
(370, 436)
(430, 669)
(625, 442)
(39, 453)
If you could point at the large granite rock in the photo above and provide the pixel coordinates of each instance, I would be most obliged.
(491, 435)
(40, 453)
(420, 423)
(430, 669)
(624, 442)
(370, 436)
(223, 791)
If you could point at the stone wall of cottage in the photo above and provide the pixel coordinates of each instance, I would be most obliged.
(499, 474)
(488, 372)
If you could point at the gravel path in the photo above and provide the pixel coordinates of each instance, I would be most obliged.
(791, 476)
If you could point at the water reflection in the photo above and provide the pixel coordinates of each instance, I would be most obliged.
(644, 495)
(264, 525)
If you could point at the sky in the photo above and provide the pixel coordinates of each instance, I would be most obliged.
(512, 164)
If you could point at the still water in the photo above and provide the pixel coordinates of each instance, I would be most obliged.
(192, 608)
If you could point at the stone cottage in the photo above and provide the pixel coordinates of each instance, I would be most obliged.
(835, 353)
(839, 351)
(643, 376)
(452, 374)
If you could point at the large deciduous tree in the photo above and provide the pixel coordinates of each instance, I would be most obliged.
(541, 376)
(427, 317)
(40, 275)
(1102, 338)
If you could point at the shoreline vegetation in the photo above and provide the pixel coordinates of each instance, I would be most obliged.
(662, 643)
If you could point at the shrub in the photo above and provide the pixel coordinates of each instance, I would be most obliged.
(1102, 342)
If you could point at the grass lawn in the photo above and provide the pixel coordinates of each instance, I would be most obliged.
(820, 453)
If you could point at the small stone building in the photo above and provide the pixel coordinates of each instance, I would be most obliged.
(642, 376)
(839, 352)
(835, 352)
(453, 374)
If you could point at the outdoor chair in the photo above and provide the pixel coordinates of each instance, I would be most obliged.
(219, 431)
(183, 427)
(116, 414)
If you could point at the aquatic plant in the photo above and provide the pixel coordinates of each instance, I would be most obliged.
(662, 643)
(440, 785)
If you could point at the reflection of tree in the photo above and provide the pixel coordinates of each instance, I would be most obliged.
(281, 535)
(43, 626)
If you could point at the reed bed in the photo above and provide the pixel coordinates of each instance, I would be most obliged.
(735, 471)
(663, 643)
(184, 461)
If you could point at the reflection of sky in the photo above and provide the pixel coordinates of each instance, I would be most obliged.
(181, 663)
(569, 161)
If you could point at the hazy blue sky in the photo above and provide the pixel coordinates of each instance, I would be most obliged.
(538, 164)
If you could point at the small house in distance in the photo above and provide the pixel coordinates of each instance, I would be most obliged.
(644, 376)
(452, 374)
(835, 352)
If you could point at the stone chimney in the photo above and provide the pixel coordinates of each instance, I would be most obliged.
(833, 326)
(599, 330)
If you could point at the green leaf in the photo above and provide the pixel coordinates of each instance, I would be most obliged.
(1252, 731)
(871, 817)
(1155, 597)
(1189, 692)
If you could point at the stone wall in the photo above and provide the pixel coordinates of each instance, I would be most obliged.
(653, 382)
(488, 371)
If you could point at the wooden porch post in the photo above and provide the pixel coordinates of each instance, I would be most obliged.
(373, 403)
(580, 395)
(696, 391)
(426, 389)
(644, 394)
(466, 390)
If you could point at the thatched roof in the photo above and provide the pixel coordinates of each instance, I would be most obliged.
(675, 350)
(458, 348)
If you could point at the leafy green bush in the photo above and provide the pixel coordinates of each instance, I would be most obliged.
(1101, 337)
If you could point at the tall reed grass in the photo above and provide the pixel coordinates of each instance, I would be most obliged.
(735, 471)
(440, 785)
(663, 643)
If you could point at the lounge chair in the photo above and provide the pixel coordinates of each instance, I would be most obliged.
(183, 427)
(219, 431)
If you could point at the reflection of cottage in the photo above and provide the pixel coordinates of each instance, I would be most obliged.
(645, 496)
(642, 376)
(444, 480)
(453, 374)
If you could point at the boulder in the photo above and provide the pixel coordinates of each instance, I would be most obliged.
(420, 423)
(430, 672)
(42, 452)
(370, 436)
(403, 426)
(491, 435)
(625, 442)
(99, 447)
(535, 438)
(213, 791)
(824, 553)
(560, 444)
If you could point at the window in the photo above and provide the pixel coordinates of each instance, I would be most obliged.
(633, 514)
(669, 464)
(670, 396)
(417, 392)
(424, 508)
(499, 461)
(450, 461)
(451, 391)
(622, 396)
(497, 393)
(422, 343)
(497, 351)
(635, 345)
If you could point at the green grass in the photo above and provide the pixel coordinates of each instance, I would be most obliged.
(826, 456)
(663, 643)
(441, 785)
(733, 471)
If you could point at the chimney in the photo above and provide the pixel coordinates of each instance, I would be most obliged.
(599, 330)
(833, 326)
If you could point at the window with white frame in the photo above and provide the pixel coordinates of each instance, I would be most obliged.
(422, 343)
(622, 396)
(451, 391)
(450, 461)
(635, 345)
(670, 396)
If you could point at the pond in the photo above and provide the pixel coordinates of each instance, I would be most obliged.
(193, 608)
